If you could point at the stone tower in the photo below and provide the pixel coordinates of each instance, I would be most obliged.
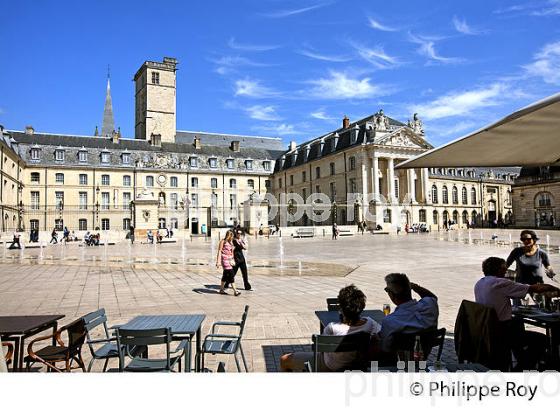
(108, 125)
(156, 100)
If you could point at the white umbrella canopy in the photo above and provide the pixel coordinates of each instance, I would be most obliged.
(528, 137)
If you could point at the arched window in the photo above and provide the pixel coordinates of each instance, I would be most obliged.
(445, 195)
(464, 196)
(455, 195)
(543, 200)
(435, 217)
(434, 194)
(465, 217)
(473, 196)
(422, 215)
(445, 216)
(456, 216)
(473, 218)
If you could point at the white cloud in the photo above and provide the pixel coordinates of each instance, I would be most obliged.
(457, 129)
(378, 26)
(263, 113)
(323, 57)
(276, 129)
(321, 115)
(377, 56)
(546, 64)
(462, 103)
(235, 61)
(253, 88)
(551, 9)
(250, 47)
(293, 12)
(462, 27)
(427, 49)
(340, 86)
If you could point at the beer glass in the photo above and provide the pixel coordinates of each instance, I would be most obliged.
(386, 309)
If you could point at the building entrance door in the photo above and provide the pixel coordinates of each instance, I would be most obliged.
(194, 226)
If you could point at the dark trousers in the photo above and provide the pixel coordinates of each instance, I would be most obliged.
(244, 273)
(527, 347)
(15, 244)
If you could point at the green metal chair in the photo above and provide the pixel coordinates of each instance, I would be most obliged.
(219, 343)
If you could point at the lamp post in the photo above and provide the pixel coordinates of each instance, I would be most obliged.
(97, 208)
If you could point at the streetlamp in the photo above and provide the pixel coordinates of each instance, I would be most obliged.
(97, 208)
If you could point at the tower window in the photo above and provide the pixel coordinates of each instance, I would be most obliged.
(155, 78)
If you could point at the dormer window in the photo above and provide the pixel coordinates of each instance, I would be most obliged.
(193, 161)
(82, 156)
(249, 164)
(105, 157)
(126, 158)
(266, 165)
(229, 163)
(59, 155)
(213, 162)
(35, 154)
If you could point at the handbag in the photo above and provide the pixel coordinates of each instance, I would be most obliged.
(232, 262)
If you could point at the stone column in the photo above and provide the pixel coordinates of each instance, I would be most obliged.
(411, 185)
(375, 176)
(391, 180)
(426, 185)
(364, 184)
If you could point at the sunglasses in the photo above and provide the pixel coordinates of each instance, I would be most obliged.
(527, 238)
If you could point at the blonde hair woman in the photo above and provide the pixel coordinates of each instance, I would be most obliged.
(224, 258)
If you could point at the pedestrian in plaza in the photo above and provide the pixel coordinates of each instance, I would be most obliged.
(150, 236)
(334, 232)
(531, 262)
(240, 245)
(15, 241)
(54, 236)
(364, 227)
(131, 234)
(65, 234)
(226, 261)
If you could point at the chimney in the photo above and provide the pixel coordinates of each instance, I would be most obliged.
(345, 122)
(235, 146)
(116, 136)
(155, 140)
(292, 146)
(197, 143)
(170, 60)
(29, 130)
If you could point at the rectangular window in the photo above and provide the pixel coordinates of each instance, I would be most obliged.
(291, 180)
(317, 189)
(126, 158)
(126, 224)
(267, 184)
(332, 168)
(59, 155)
(193, 161)
(82, 224)
(352, 185)
(155, 78)
(149, 181)
(352, 163)
(59, 224)
(59, 199)
(230, 163)
(194, 182)
(251, 184)
(35, 200)
(83, 200)
(266, 165)
(126, 180)
(34, 224)
(249, 164)
(174, 201)
(126, 200)
(174, 182)
(232, 183)
(318, 172)
(279, 182)
(333, 191)
(214, 200)
(35, 154)
(105, 156)
(194, 200)
(303, 176)
(83, 179)
(304, 193)
(214, 183)
(213, 162)
(105, 226)
(82, 156)
(105, 180)
(105, 200)
(35, 177)
(232, 201)
(59, 178)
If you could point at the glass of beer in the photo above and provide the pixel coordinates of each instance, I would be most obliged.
(386, 309)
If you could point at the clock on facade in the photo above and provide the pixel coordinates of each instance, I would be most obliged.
(161, 179)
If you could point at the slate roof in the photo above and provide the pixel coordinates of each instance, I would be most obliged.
(224, 140)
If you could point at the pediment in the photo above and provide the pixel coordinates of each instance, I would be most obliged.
(403, 138)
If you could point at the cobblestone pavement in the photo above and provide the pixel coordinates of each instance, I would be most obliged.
(281, 316)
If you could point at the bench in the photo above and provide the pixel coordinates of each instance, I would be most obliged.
(304, 233)
(345, 232)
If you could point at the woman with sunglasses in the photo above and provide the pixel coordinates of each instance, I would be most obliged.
(531, 261)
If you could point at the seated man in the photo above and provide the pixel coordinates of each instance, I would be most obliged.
(352, 302)
(150, 236)
(410, 316)
(495, 291)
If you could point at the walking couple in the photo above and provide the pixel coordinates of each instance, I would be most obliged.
(230, 257)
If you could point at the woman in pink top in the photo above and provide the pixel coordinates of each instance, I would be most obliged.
(224, 258)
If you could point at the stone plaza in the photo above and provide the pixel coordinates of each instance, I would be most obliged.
(291, 280)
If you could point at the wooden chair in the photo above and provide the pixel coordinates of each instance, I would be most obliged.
(332, 304)
(354, 342)
(127, 340)
(51, 355)
(429, 338)
(218, 343)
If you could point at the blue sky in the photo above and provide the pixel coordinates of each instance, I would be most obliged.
(279, 68)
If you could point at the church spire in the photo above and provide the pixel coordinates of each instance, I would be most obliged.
(108, 121)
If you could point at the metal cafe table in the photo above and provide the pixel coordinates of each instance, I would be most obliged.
(18, 328)
(182, 327)
(533, 316)
(326, 317)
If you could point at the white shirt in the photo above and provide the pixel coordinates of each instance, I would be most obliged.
(336, 361)
(496, 293)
